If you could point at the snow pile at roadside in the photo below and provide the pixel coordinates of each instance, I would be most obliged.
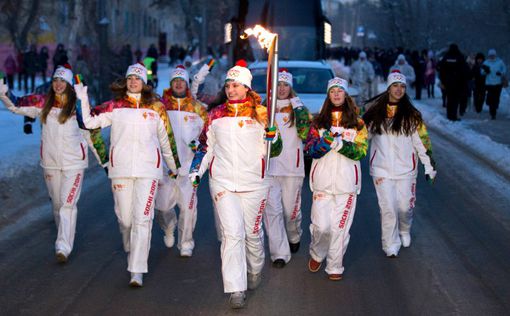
(498, 154)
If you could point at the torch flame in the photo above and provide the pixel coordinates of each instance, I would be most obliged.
(263, 36)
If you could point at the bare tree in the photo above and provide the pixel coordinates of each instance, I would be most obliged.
(18, 17)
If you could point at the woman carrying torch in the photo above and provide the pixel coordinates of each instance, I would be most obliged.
(233, 148)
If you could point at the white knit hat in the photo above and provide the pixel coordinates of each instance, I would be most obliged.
(340, 83)
(180, 72)
(137, 70)
(64, 73)
(395, 77)
(239, 73)
(285, 76)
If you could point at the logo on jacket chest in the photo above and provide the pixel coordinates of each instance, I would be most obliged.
(148, 115)
(190, 118)
(248, 123)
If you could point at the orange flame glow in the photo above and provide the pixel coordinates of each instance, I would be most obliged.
(263, 36)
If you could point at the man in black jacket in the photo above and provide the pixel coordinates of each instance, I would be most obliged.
(453, 73)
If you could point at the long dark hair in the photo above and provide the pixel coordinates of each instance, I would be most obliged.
(119, 90)
(349, 114)
(406, 120)
(68, 109)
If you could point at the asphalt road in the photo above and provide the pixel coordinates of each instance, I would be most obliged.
(458, 263)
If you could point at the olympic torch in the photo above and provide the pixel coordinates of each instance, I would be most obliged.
(269, 41)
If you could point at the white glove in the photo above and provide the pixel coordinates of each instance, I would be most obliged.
(201, 74)
(194, 178)
(337, 144)
(81, 91)
(349, 135)
(336, 130)
(4, 88)
(296, 103)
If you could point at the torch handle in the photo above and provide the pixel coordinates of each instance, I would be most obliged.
(273, 51)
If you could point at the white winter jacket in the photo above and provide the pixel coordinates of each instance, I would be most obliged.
(396, 156)
(187, 120)
(234, 149)
(63, 146)
(138, 139)
(291, 161)
(334, 172)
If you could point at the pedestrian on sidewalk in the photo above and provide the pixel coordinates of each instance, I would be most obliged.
(187, 117)
(337, 141)
(282, 217)
(495, 70)
(479, 82)
(140, 134)
(430, 72)
(398, 136)
(10, 71)
(362, 75)
(453, 73)
(63, 151)
(233, 148)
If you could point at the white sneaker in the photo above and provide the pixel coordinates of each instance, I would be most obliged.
(136, 280)
(237, 300)
(254, 280)
(405, 238)
(169, 240)
(186, 253)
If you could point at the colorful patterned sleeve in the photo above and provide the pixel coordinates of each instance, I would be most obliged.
(358, 149)
(30, 105)
(316, 146)
(199, 109)
(202, 148)
(99, 146)
(277, 146)
(160, 109)
(425, 139)
(303, 120)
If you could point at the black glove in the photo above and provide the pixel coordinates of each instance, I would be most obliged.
(498, 73)
(486, 69)
(106, 170)
(27, 128)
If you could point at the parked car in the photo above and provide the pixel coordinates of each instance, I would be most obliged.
(310, 80)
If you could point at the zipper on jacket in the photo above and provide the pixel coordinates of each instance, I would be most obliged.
(82, 152)
(414, 162)
(297, 160)
(159, 158)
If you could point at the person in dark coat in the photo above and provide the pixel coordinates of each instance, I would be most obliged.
(479, 83)
(10, 70)
(453, 72)
(31, 65)
(43, 62)
(60, 57)
(419, 65)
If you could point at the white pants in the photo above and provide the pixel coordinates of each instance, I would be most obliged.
(64, 188)
(282, 218)
(178, 192)
(134, 207)
(242, 248)
(332, 217)
(396, 200)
